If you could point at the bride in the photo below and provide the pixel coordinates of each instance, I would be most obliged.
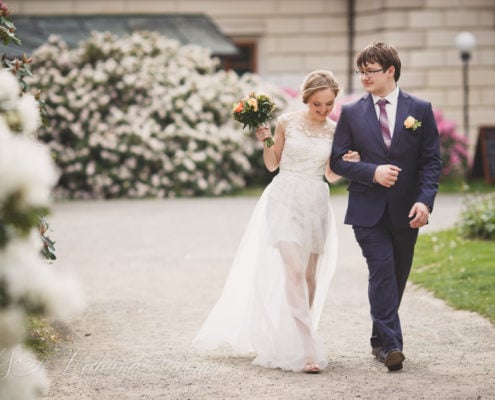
(274, 294)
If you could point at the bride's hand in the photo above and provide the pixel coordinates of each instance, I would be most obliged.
(352, 156)
(263, 132)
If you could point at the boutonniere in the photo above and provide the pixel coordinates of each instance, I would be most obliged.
(412, 123)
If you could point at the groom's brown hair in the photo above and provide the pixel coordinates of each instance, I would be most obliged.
(381, 53)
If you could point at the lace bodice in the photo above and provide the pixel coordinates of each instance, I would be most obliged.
(307, 145)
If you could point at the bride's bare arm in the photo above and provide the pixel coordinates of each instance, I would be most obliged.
(272, 155)
(351, 156)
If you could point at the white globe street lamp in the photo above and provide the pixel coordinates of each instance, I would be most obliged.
(465, 42)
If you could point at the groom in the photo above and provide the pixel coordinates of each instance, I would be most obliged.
(392, 188)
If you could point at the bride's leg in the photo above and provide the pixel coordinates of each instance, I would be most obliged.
(297, 295)
(311, 277)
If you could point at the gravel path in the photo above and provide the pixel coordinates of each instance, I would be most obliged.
(152, 269)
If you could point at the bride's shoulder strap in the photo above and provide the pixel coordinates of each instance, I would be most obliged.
(289, 116)
(284, 119)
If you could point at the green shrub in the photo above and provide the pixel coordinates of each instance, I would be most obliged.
(478, 216)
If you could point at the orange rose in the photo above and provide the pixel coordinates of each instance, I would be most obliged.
(239, 107)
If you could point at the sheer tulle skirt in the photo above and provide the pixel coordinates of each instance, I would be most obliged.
(276, 288)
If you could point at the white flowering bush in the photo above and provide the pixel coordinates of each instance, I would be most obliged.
(142, 116)
(28, 286)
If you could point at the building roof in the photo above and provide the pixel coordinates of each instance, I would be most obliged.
(186, 28)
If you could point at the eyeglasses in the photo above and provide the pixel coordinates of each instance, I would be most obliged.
(371, 72)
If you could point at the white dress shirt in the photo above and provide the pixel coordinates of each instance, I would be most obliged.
(391, 108)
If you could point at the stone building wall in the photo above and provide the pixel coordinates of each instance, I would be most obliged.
(296, 36)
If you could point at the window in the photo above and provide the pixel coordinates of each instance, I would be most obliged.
(243, 62)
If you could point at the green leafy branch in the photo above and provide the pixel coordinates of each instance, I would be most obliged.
(7, 28)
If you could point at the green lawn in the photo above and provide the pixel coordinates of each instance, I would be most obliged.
(472, 186)
(459, 271)
(42, 336)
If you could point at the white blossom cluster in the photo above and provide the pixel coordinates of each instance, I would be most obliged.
(142, 115)
(27, 283)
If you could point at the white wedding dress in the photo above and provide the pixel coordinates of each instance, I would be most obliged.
(264, 309)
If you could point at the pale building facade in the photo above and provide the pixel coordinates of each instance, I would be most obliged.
(293, 37)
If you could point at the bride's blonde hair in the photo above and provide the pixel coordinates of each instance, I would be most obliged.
(318, 80)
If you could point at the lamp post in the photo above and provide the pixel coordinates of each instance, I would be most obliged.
(465, 42)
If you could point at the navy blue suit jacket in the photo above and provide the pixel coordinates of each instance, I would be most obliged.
(416, 152)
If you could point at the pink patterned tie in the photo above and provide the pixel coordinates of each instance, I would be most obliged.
(384, 122)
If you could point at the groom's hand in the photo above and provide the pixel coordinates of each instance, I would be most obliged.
(420, 213)
(386, 175)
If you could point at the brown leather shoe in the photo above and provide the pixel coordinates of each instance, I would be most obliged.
(393, 360)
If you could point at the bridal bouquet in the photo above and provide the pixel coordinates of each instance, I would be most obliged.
(253, 110)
